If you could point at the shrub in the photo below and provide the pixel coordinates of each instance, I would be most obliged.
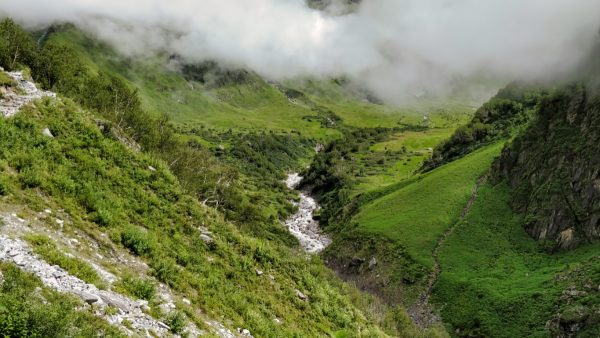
(28, 310)
(4, 187)
(136, 240)
(31, 178)
(141, 288)
(176, 322)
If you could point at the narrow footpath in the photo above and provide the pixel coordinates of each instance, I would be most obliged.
(422, 312)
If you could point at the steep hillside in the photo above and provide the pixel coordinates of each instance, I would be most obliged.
(497, 119)
(552, 168)
(123, 214)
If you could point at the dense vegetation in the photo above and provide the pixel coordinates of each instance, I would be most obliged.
(59, 67)
(106, 188)
(132, 181)
(497, 119)
(498, 281)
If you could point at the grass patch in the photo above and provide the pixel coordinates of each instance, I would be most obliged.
(497, 281)
(141, 288)
(418, 213)
(6, 81)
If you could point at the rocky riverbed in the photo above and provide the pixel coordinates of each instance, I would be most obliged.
(301, 224)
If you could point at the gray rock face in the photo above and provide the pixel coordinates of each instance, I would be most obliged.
(301, 295)
(372, 263)
(554, 169)
(47, 132)
(13, 101)
(88, 297)
(18, 252)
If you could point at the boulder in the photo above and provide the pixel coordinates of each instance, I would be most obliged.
(301, 295)
(47, 132)
(88, 297)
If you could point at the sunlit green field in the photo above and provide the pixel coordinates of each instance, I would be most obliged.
(490, 266)
(417, 214)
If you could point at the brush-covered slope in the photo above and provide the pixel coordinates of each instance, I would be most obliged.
(125, 204)
(120, 201)
(497, 119)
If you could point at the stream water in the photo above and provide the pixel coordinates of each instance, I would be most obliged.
(301, 224)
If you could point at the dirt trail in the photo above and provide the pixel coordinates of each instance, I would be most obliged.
(422, 312)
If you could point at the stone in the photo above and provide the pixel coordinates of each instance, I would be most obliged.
(259, 272)
(372, 263)
(88, 297)
(206, 238)
(47, 132)
(19, 260)
(186, 301)
(301, 295)
(356, 261)
(151, 168)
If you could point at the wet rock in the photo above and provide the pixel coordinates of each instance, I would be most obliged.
(356, 262)
(302, 224)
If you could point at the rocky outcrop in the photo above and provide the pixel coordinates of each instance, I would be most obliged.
(18, 252)
(15, 98)
(554, 169)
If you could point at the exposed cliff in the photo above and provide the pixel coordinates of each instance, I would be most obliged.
(554, 168)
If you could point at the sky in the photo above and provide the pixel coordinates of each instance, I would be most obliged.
(395, 48)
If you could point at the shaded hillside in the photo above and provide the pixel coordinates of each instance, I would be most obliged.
(553, 168)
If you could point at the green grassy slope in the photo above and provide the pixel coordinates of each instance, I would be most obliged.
(109, 193)
(417, 214)
(497, 281)
(249, 104)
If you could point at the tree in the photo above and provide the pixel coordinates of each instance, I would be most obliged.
(16, 46)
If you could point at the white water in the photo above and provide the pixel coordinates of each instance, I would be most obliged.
(301, 224)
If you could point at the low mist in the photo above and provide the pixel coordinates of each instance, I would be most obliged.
(395, 48)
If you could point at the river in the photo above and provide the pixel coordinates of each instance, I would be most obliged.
(301, 224)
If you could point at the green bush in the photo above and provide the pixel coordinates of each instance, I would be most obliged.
(176, 322)
(137, 241)
(31, 177)
(141, 288)
(4, 187)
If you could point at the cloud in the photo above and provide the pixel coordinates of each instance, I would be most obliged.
(395, 47)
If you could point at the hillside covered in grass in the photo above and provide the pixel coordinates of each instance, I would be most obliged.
(132, 203)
